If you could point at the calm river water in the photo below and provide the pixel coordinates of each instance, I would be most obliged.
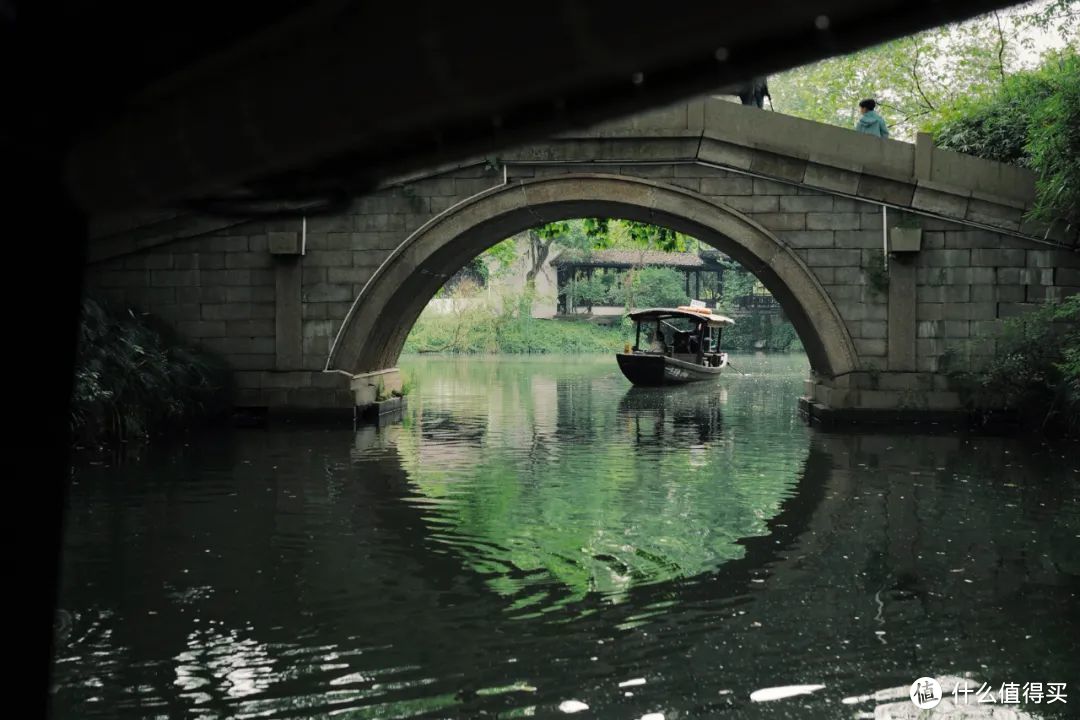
(535, 537)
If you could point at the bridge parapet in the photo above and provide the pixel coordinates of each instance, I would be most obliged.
(909, 176)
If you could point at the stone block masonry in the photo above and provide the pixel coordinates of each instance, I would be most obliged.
(270, 297)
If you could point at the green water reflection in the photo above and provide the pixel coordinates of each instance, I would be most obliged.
(535, 532)
(531, 467)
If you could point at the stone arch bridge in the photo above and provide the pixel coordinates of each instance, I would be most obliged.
(312, 313)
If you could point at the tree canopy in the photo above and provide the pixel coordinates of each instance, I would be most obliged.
(917, 79)
(1004, 86)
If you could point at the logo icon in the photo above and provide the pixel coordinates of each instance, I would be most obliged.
(925, 693)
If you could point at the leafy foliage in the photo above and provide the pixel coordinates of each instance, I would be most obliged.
(133, 378)
(1036, 367)
(761, 332)
(737, 282)
(597, 289)
(918, 78)
(484, 330)
(1054, 144)
(604, 233)
(655, 287)
(994, 128)
(1034, 120)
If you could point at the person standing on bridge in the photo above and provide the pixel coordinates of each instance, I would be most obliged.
(755, 92)
(869, 121)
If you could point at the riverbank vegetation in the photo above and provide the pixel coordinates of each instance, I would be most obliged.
(486, 318)
(1034, 371)
(504, 324)
(134, 379)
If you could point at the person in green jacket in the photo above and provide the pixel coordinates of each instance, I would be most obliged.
(869, 121)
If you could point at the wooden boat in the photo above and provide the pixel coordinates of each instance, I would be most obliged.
(674, 346)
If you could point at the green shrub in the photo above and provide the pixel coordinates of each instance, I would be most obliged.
(133, 378)
(1035, 368)
(654, 287)
(1034, 121)
(1054, 145)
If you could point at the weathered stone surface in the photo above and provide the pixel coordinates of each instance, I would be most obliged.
(1009, 309)
(227, 311)
(247, 260)
(806, 203)
(327, 258)
(845, 258)
(871, 347)
(863, 239)
(283, 243)
(782, 221)
(1036, 277)
(769, 187)
(752, 203)
(940, 202)
(249, 328)
(240, 345)
(933, 240)
(885, 190)
(348, 275)
(972, 239)
(999, 257)
(993, 214)
(201, 328)
(959, 293)
(944, 258)
(149, 261)
(832, 221)
(808, 238)
(327, 292)
(870, 329)
(831, 178)
(254, 293)
(778, 166)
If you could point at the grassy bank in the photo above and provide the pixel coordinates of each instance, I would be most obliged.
(481, 330)
(134, 379)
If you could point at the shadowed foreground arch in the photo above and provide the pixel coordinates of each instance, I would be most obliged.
(374, 331)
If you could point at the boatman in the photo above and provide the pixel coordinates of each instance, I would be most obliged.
(656, 342)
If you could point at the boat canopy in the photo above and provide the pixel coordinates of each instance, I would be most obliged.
(696, 314)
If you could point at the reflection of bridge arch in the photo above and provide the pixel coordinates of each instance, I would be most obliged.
(374, 331)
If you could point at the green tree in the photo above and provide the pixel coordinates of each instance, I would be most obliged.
(654, 287)
(917, 78)
(1032, 120)
(1054, 145)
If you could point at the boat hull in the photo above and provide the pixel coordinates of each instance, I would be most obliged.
(658, 370)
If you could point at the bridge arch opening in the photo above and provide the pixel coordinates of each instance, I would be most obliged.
(375, 329)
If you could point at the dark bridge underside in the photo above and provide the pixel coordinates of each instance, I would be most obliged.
(351, 92)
